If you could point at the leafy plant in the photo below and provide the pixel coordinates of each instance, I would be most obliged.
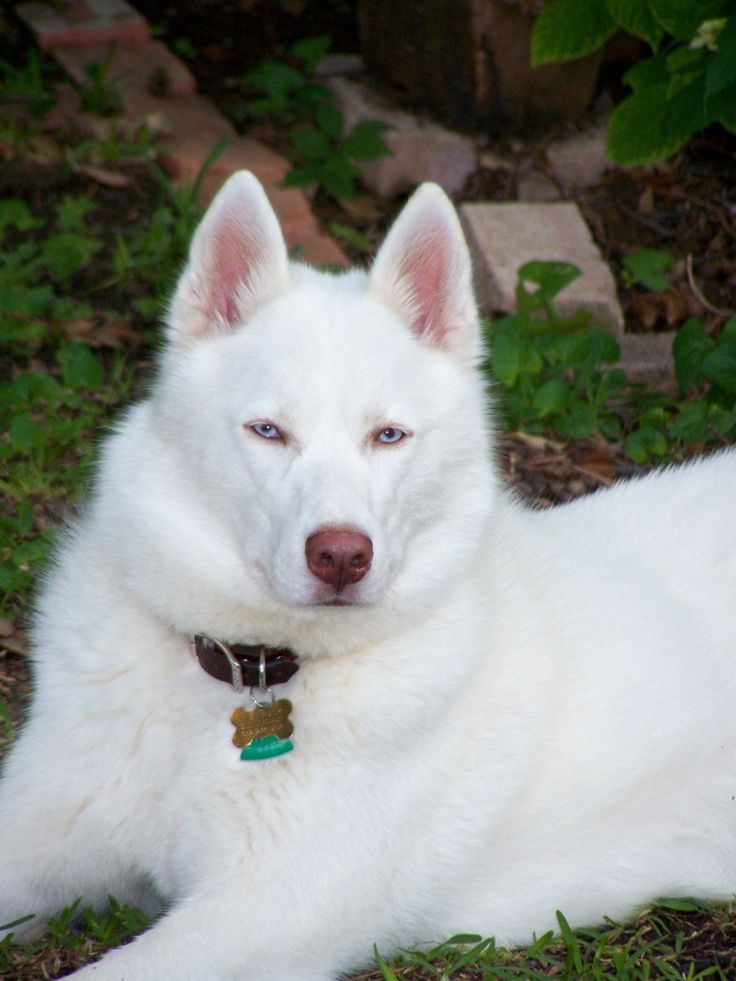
(708, 364)
(99, 93)
(688, 83)
(323, 153)
(116, 147)
(25, 85)
(56, 257)
(549, 364)
(647, 266)
(552, 371)
(289, 92)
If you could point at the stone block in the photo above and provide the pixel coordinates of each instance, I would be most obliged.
(647, 360)
(502, 237)
(535, 186)
(579, 160)
(82, 22)
(420, 150)
(339, 64)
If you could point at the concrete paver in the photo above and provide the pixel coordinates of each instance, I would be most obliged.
(502, 237)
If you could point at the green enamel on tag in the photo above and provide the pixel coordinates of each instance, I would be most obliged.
(265, 748)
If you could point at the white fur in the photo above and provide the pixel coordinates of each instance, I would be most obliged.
(519, 712)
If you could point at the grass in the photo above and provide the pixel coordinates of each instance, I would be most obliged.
(677, 940)
(84, 271)
(73, 937)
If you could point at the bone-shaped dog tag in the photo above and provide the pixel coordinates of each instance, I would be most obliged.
(262, 732)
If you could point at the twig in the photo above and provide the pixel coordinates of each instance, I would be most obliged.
(698, 292)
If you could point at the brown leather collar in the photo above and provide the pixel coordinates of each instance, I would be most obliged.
(245, 665)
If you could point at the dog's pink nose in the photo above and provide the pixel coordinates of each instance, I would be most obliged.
(339, 556)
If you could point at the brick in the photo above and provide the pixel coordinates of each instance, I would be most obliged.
(82, 22)
(301, 230)
(502, 237)
(184, 156)
(321, 250)
(189, 128)
(146, 66)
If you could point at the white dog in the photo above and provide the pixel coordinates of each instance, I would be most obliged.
(497, 712)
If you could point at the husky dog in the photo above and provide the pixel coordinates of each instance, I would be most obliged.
(309, 677)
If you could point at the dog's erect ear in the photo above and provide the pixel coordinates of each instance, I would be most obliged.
(423, 271)
(237, 262)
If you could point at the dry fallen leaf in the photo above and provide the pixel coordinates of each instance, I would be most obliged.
(109, 178)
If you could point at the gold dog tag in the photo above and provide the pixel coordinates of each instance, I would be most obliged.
(261, 722)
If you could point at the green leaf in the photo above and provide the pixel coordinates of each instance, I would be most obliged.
(65, 253)
(636, 17)
(682, 18)
(311, 50)
(349, 235)
(275, 79)
(330, 120)
(310, 95)
(505, 343)
(365, 142)
(386, 973)
(719, 366)
(71, 212)
(646, 267)
(611, 381)
(25, 515)
(647, 73)
(549, 278)
(645, 443)
(578, 423)
(26, 434)
(655, 122)
(310, 144)
(690, 346)
(337, 175)
(568, 29)
(690, 423)
(729, 329)
(550, 397)
(15, 212)
(721, 70)
(684, 905)
(303, 175)
(81, 368)
(25, 301)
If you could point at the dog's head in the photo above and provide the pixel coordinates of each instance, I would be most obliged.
(332, 428)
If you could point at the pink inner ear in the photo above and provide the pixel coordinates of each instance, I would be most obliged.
(236, 255)
(425, 270)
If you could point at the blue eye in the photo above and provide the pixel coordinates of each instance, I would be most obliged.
(389, 435)
(266, 429)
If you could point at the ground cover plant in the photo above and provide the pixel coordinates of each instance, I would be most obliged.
(558, 372)
(85, 267)
(324, 154)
